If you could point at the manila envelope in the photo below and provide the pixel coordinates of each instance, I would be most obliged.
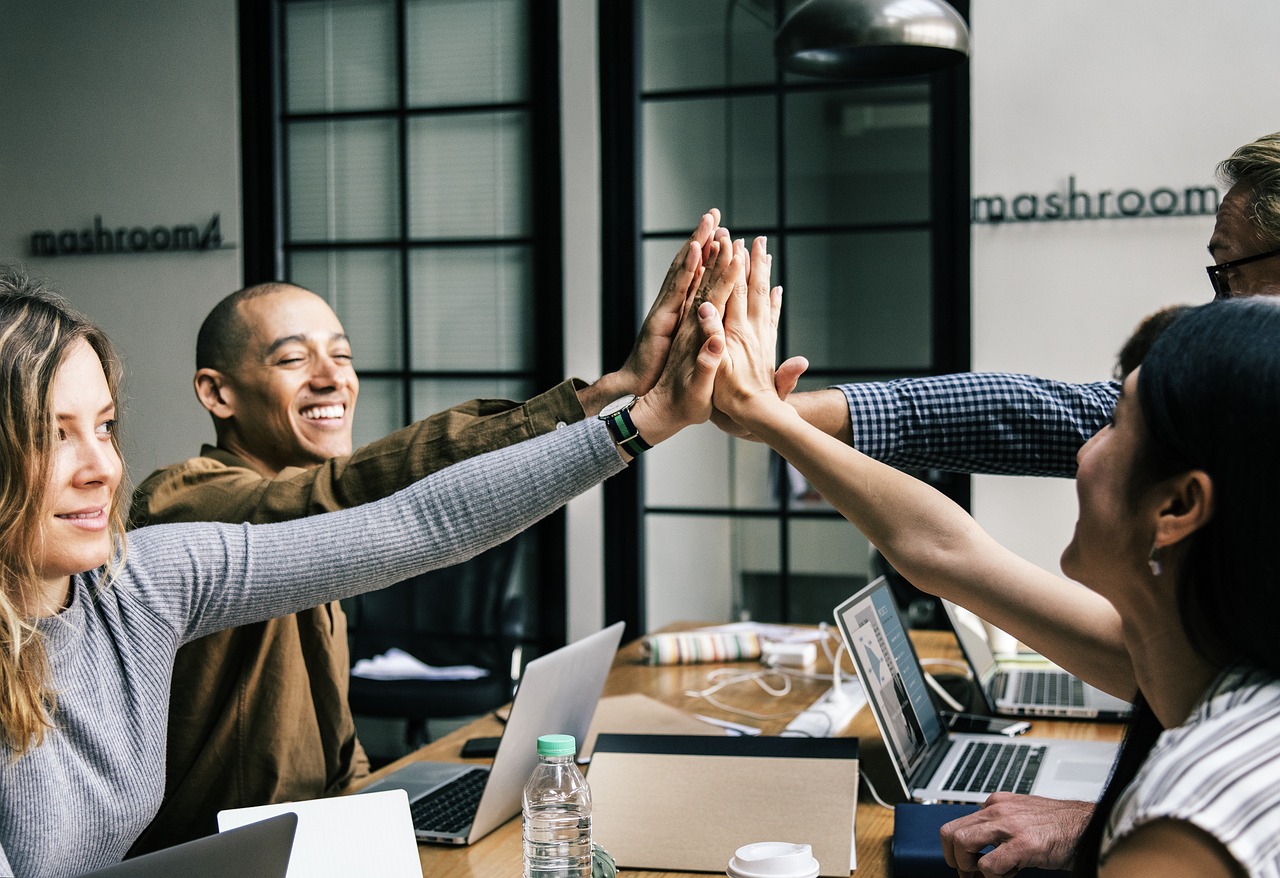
(686, 803)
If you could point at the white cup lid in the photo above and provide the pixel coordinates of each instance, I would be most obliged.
(773, 859)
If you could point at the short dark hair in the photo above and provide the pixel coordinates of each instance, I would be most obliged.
(1136, 346)
(224, 334)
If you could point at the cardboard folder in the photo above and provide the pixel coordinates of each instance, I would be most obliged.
(686, 803)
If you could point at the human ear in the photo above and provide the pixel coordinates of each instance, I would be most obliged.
(1187, 506)
(214, 393)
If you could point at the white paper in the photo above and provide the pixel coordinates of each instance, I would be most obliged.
(396, 664)
(368, 834)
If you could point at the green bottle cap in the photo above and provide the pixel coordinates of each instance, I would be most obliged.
(557, 745)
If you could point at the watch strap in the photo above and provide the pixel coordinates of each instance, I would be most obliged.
(624, 432)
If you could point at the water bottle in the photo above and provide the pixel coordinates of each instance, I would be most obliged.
(557, 814)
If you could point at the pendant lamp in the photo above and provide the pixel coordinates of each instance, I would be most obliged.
(871, 39)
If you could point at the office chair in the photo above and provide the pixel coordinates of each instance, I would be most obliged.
(468, 614)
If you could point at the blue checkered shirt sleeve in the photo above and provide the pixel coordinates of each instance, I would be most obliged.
(979, 422)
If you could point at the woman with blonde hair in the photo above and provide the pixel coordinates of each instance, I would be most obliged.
(89, 625)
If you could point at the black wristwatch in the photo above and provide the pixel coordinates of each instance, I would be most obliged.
(617, 415)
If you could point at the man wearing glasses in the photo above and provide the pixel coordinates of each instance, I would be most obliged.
(1022, 425)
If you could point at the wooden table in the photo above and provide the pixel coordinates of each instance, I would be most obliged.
(498, 855)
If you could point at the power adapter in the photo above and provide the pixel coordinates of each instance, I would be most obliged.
(828, 716)
(788, 655)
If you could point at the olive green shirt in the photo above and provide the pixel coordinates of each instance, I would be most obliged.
(259, 713)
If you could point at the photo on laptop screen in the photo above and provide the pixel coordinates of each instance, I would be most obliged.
(891, 669)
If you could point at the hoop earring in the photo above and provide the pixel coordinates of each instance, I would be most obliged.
(1153, 561)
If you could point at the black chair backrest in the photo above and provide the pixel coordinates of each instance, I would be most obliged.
(471, 613)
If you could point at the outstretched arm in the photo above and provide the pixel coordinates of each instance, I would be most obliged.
(927, 537)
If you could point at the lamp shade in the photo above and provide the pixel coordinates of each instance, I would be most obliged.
(867, 39)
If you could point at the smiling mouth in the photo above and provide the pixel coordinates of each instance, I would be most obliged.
(325, 412)
(80, 516)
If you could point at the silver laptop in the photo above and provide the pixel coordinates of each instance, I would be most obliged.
(259, 850)
(454, 803)
(1010, 689)
(932, 764)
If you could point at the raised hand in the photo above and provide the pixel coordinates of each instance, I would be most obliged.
(682, 394)
(759, 313)
(649, 354)
(747, 375)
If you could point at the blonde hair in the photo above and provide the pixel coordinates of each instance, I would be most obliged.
(1257, 165)
(37, 332)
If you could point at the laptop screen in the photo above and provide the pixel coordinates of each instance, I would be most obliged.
(891, 674)
(973, 643)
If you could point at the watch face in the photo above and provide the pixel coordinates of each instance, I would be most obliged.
(618, 405)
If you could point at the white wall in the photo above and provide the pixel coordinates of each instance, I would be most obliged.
(127, 109)
(1143, 93)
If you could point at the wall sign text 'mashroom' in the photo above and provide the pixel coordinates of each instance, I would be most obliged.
(1072, 204)
(101, 239)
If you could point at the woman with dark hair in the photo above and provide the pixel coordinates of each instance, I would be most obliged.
(88, 629)
(1175, 543)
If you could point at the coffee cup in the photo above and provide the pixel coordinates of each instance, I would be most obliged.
(773, 859)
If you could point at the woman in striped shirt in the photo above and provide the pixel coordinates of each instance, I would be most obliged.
(1176, 541)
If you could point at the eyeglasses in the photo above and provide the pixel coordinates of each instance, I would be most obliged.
(1218, 273)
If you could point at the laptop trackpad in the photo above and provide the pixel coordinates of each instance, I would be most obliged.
(1081, 771)
(418, 778)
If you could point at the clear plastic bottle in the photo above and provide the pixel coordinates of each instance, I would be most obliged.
(557, 813)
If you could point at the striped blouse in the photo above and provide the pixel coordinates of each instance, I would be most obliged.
(1220, 771)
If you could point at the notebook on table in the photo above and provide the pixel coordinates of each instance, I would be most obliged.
(454, 803)
(1010, 689)
(260, 850)
(932, 764)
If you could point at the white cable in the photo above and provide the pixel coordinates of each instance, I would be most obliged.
(872, 790)
(943, 694)
(963, 667)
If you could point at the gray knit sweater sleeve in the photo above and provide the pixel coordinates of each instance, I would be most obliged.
(79, 800)
(209, 577)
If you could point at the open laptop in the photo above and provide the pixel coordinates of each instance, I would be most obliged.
(1011, 689)
(932, 764)
(454, 803)
(259, 850)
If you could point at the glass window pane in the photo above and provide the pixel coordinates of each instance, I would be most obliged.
(703, 468)
(343, 180)
(830, 560)
(686, 46)
(363, 286)
(860, 301)
(689, 164)
(340, 56)
(469, 176)
(472, 309)
(858, 156)
(431, 395)
(466, 51)
(756, 552)
(379, 409)
(688, 569)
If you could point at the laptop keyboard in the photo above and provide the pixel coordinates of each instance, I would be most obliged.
(451, 807)
(986, 767)
(1051, 688)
